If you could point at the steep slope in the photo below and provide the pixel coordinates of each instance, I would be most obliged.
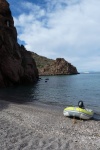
(41, 61)
(53, 67)
(16, 64)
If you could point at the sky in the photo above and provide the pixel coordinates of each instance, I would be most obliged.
(68, 29)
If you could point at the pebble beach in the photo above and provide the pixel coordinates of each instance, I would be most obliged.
(41, 127)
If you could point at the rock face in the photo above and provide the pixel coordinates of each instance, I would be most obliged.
(58, 67)
(48, 66)
(16, 63)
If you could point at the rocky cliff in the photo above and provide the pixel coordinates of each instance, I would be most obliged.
(16, 64)
(58, 67)
(53, 67)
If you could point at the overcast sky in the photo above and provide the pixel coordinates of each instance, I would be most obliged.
(68, 29)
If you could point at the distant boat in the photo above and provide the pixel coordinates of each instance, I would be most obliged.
(86, 72)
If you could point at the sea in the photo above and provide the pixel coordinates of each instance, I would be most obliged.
(61, 91)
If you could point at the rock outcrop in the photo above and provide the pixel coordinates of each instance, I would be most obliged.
(58, 67)
(16, 63)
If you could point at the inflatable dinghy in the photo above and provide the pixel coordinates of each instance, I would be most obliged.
(78, 112)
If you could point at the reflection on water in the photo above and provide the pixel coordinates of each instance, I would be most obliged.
(19, 94)
(59, 90)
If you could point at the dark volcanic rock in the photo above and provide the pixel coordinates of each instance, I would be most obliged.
(16, 63)
(58, 67)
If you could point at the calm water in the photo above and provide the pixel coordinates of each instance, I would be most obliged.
(59, 90)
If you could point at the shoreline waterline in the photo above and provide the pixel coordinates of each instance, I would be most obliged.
(62, 91)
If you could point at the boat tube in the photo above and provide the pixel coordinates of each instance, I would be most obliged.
(78, 112)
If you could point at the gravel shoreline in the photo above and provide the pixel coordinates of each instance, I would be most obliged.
(37, 127)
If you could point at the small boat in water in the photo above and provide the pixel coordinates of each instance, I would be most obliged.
(79, 112)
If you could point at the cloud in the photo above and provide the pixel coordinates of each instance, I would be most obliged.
(62, 28)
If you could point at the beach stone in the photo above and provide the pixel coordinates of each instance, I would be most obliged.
(30, 127)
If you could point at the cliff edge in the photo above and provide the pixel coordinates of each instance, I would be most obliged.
(16, 63)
